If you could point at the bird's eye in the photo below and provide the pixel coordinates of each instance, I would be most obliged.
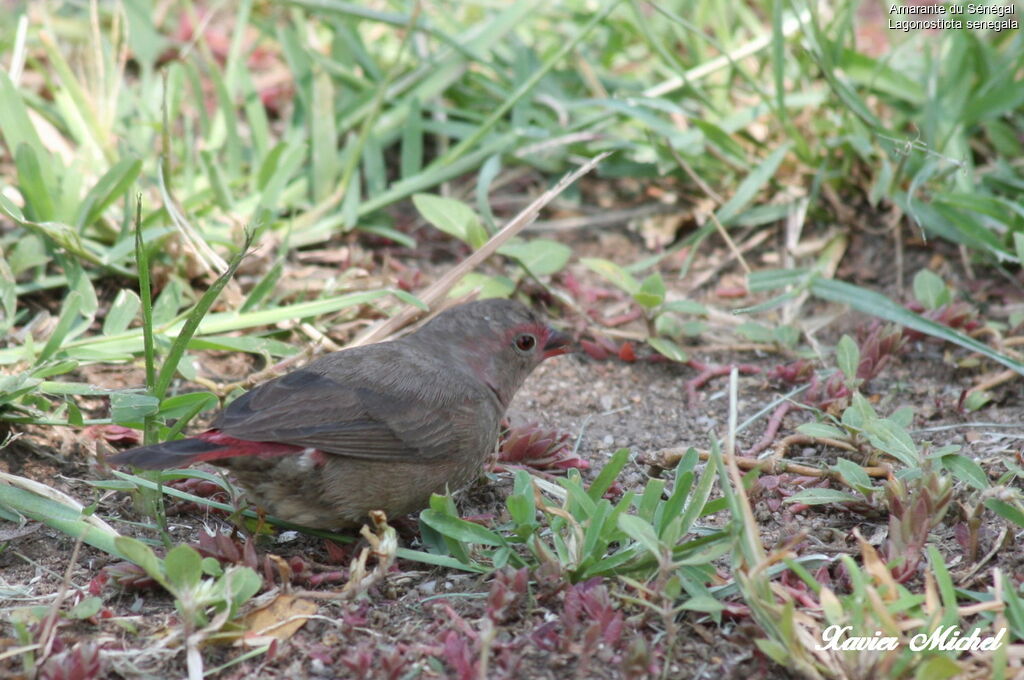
(525, 342)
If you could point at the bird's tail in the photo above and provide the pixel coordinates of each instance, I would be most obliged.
(209, 445)
(177, 453)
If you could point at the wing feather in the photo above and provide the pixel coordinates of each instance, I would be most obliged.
(330, 406)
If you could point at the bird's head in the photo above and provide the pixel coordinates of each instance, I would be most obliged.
(501, 341)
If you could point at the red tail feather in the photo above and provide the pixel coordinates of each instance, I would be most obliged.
(209, 445)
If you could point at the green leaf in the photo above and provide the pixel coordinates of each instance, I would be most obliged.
(241, 584)
(879, 76)
(650, 499)
(38, 192)
(751, 185)
(122, 312)
(786, 336)
(411, 160)
(211, 567)
(460, 529)
(965, 469)
(685, 307)
(854, 475)
(521, 503)
(652, 292)
(8, 295)
(613, 273)
(608, 474)
(976, 400)
(704, 554)
(56, 368)
(643, 533)
(878, 305)
(15, 125)
(1007, 511)
(756, 332)
(903, 416)
(184, 568)
(167, 304)
(181, 405)
(69, 313)
(886, 435)
(485, 286)
(848, 357)
(195, 319)
(325, 164)
(938, 667)
(16, 502)
(453, 217)
(993, 101)
(132, 407)
(85, 609)
(141, 554)
(112, 186)
(441, 561)
(930, 290)
(822, 496)
(580, 504)
(668, 349)
(541, 257)
(859, 414)
(821, 430)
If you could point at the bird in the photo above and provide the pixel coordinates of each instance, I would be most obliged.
(375, 427)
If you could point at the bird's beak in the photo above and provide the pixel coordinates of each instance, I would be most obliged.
(557, 343)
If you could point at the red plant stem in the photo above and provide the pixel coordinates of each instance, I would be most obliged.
(774, 423)
(708, 373)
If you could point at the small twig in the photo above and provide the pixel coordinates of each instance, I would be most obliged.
(730, 243)
(790, 25)
(667, 459)
(273, 371)
(319, 338)
(602, 219)
(297, 617)
(49, 630)
(697, 179)
(785, 443)
(754, 551)
(755, 240)
(994, 381)
(996, 547)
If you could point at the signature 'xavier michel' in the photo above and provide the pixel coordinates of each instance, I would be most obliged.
(379, 427)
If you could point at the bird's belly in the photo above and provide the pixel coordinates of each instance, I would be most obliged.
(341, 492)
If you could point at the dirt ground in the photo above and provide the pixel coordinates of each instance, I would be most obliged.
(421, 621)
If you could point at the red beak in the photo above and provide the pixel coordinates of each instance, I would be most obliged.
(557, 343)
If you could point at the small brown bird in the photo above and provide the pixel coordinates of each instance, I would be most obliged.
(378, 427)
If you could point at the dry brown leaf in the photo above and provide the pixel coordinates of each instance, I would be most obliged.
(277, 621)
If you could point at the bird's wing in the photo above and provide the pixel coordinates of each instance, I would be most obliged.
(310, 409)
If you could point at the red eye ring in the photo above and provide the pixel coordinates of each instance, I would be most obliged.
(525, 342)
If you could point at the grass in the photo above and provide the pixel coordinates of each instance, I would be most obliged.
(164, 171)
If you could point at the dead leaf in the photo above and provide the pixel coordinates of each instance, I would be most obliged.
(277, 621)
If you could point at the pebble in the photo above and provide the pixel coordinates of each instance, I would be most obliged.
(287, 536)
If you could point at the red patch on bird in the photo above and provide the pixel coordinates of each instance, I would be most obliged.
(240, 447)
